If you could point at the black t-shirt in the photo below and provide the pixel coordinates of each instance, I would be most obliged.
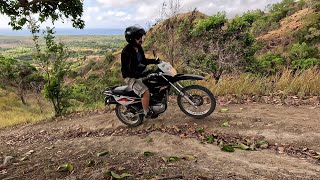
(130, 61)
(139, 57)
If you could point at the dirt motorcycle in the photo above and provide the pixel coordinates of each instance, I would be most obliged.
(194, 100)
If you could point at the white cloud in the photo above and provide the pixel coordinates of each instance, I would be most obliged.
(124, 3)
(93, 9)
(4, 22)
(122, 13)
(99, 18)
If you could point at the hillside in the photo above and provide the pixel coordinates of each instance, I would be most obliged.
(189, 37)
(278, 40)
(281, 37)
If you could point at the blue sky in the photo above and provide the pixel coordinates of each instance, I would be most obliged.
(122, 13)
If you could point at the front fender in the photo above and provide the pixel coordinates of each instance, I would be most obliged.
(109, 100)
(180, 77)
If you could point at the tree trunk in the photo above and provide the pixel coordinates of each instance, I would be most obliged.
(217, 75)
(23, 100)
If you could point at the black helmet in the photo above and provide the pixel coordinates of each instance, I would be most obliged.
(132, 32)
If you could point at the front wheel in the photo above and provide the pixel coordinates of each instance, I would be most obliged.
(128, 115)
(203, 99)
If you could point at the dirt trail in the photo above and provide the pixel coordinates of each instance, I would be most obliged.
(78, 139)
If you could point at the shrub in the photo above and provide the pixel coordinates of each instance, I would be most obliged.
(268, 64)
(109, 57)
(212, 22)
(245, 20)
(305, 63)
(303, 51)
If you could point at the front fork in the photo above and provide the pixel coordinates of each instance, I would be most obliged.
(108, 100)
(180, 92)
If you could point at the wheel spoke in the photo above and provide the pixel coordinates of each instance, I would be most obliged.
(127, 115)
(200, 98)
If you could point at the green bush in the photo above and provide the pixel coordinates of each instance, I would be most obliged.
(315, 4)
(310, 32)
(268, 64)
(79, 92)
(303, 51)
(212, 22)
(109, 57)
(203, 61)
(305, 63)
(245, 20)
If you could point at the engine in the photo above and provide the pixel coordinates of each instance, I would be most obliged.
(158, 108)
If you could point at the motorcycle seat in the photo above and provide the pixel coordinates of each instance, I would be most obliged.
(121, 89)
(125, 91)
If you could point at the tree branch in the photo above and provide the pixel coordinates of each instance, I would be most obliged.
(26, 3)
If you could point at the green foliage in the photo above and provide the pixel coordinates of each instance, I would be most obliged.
(313, 34)
(305, 63)
(89, 91)
(303, 51)
(8, 69)
(109, 57)
(303, 56)
(281, 9)
(209, 24)
(19, 11)
(55, 68)
(182, 28)
(276, 12)
(316, 5)
(17, 75)
(20, 53)
(204, 61)
(221, 45)
(268, 64)
(310, 32)
(245, 20)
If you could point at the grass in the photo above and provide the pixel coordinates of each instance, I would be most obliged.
(304, 83)
(13, 112)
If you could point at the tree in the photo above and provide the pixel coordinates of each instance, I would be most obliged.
(19, 11)
(17, 75)
(54, 66)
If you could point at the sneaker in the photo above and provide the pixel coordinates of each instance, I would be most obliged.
(149, 115)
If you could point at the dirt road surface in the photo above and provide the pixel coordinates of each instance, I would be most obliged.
(36, 151)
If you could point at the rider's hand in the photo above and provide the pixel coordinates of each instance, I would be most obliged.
(141, 67)
(152, 75)
(157, 60)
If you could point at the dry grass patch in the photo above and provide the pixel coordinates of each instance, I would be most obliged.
(12, 111)
(304, 83)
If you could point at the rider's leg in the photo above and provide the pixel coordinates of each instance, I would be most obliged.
(145, 101)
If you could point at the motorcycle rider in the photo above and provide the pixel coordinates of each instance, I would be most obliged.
(133, 63)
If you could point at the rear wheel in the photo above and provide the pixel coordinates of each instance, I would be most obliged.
(128, 115)
(203, 99)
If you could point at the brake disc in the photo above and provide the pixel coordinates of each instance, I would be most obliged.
(197, 100)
